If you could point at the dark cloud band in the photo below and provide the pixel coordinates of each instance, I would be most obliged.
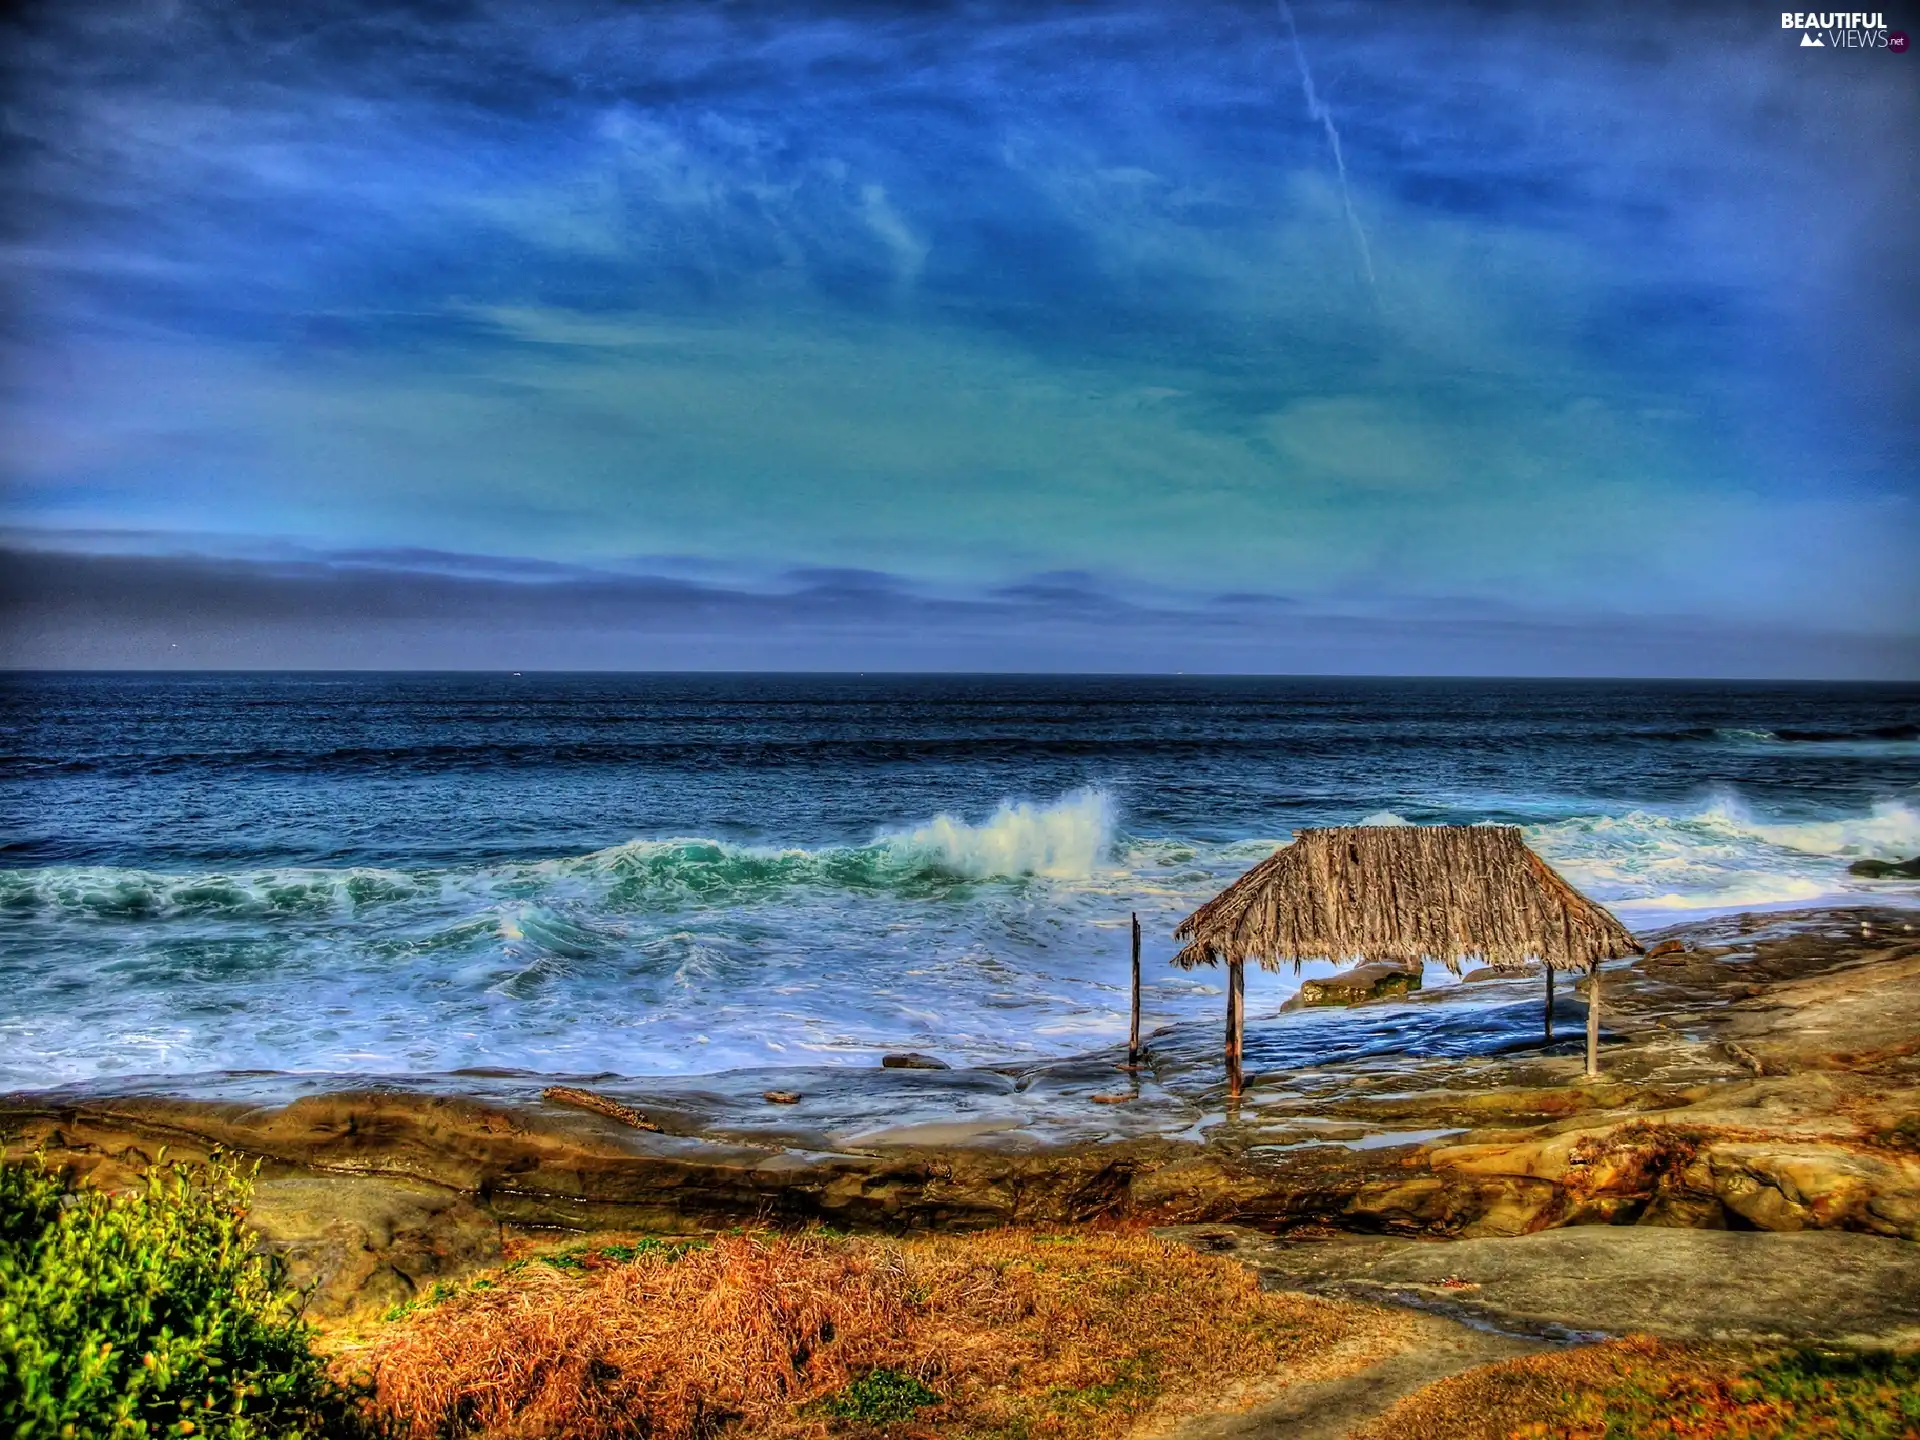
(65, 610)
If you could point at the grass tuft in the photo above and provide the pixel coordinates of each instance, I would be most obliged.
(1645, 1389)
(880, 1397)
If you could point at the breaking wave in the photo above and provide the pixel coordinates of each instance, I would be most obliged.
(1718, 856)
(1869, 736)
(1066, 840)
(977, 939)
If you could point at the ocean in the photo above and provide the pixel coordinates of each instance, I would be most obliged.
(676, 874)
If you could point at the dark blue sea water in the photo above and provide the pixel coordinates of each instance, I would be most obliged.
(646, 874)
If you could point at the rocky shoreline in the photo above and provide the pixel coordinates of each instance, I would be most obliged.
(1764, 1075)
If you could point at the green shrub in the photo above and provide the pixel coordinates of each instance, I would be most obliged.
(29, 1200)
(148, 1314)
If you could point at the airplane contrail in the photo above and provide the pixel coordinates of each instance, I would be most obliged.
(1320, 112)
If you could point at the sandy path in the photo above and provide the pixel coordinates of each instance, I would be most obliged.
(1330, 1409)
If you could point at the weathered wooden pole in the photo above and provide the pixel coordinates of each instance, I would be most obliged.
(1593, 1022)
(1236, 1023)
(1133, 1031)
(1549, 1004)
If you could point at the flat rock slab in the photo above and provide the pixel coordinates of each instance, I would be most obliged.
(1827, 1287)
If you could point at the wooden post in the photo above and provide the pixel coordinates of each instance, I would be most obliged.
(1593, 1022)
(1236, 1023)
(1549, 1004)
(1133, 1031)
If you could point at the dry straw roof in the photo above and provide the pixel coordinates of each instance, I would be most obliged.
(1403, 893)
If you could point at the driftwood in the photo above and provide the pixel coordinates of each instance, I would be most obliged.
(1593, 1024)
(599, 1104)
(1133, 1030)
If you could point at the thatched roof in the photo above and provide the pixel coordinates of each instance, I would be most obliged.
(1403, 893)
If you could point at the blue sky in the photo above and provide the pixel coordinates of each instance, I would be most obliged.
(987, 336)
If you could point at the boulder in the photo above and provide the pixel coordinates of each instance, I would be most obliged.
(1815, 1186)
(1502, 972)
(913, 1060)
(1359, 985)
(1886, 869)
(360, 1244)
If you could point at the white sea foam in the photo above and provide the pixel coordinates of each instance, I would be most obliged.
(1065, 840)
(1735, 895)
(1721, 856)
(1890, 827)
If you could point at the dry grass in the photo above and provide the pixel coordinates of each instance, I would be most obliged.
(1644, 1389)
(1018, 1335)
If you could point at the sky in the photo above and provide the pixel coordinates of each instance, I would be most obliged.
(1201, 336)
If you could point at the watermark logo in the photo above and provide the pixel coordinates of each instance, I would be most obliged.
(1842, 30)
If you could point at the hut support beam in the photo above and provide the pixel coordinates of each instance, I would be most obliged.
(1236, 1024)
(1549, 1010)
(1133, 1030)
(1593, 1023)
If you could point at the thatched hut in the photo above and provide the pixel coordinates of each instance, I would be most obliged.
(1402, 894)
